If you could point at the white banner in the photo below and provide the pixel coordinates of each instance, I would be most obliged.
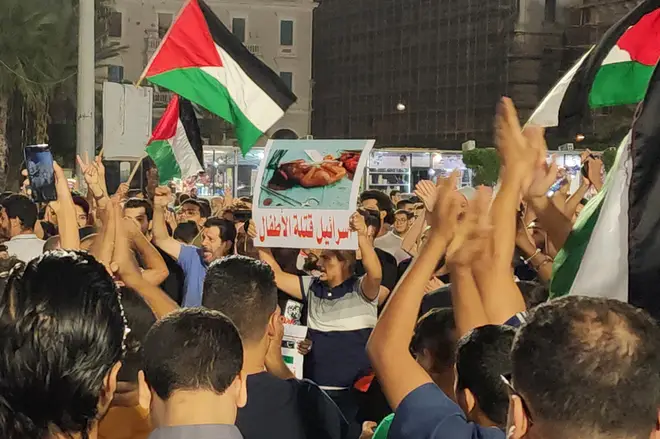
(127, 112)
(306, 192)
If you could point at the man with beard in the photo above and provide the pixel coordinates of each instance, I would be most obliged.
(218, 239)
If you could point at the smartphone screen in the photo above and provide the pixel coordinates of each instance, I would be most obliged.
(39, 163)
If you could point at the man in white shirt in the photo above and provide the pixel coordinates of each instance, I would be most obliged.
(17, 220)
(386, 240)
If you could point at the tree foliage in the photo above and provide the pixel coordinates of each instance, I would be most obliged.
(485, 163)
(38, 63)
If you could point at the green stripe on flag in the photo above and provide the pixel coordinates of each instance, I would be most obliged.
(203, 89)
(162, 154)
(620, 84)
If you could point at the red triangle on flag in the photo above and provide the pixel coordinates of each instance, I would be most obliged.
(188, 43)
(166, 128)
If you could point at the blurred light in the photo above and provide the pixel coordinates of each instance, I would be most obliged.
(215, 164)
(579, 138)
(400, 106)
(260, 155)
(437, 158)
(431, 172)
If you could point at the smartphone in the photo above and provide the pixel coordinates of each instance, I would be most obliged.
(39, 163)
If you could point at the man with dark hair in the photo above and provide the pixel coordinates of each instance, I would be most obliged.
(82, 211)
(218, 240)
(407, 205)
(395, 196)
(61, 344)
(385, 240)
(186, 232)
(193, 209)
(125, 418)
(585, 368)
(17, 219)
(387, 261)
(402, 222)
(244, 289)
(142, 212)
(193, 360)
(482, 357)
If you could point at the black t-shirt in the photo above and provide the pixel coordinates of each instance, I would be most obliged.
(288, 409)
(388, 267)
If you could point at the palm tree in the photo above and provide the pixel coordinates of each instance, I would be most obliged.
(38, 63)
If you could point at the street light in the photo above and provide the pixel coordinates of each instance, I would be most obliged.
(579, 138)
(401, 106)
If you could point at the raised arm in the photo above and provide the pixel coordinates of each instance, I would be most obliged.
(161, 237)
(388, 346)
(287, 282)
(66, 212)
(574, 200)
(470, 239)
(155, 270)
(372, 268)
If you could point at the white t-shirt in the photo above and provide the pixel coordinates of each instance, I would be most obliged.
(391, 243)
(25, 247)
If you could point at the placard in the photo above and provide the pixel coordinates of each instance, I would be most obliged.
(306, 192)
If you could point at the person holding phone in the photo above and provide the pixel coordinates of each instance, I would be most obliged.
(17, 220)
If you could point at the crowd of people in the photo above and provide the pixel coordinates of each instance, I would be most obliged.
(153, 314)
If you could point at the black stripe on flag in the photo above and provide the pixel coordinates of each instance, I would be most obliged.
(189, 121)
(260, 73)
(644, 203)
(575, 104)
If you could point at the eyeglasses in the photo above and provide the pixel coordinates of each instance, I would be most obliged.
(506, 379)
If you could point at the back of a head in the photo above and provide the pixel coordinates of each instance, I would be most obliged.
(21, 207)
(436, 332)
(52, 243)
(244, 290)
(140, 318)
(59, 318)
(186, 232)
(205, 210)
(534, 293)
(589, 366)
(482, 357)
(192, 349)
(383, 201)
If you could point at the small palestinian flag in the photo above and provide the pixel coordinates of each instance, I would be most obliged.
(175, 145)
(614, 72)
(614, 249)
(201, 60)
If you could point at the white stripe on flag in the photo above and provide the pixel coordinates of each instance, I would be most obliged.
(185, 156)
(547, 113)
(603, 270)
(255, 104)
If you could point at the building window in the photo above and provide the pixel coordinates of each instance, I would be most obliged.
(238, 28)
(115, 73)
(286, 33)
(585, 16)
(164, 23)
(550, 11)
(114, 25)
(287, 77)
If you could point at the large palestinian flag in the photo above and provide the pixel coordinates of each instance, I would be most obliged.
(175, 145)
(614, 72)
(201, 60)
(614, 249)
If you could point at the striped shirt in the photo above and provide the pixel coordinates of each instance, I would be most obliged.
(340, 321)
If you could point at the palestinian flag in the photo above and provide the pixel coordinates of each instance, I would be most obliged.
(614, 72)
(614, 249)
(175, 145)
(201, 60)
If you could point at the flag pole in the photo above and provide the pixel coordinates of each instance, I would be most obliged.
(134, 171)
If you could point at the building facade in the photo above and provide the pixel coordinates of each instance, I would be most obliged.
(278, 32)
(428, 73)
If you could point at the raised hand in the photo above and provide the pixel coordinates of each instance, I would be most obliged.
(447, 206)
(91, 174)
(473, 233)
(162, 196)
(358, 224)
(427, 192)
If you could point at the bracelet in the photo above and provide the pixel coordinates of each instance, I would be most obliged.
(536, 253)
(547, 259)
